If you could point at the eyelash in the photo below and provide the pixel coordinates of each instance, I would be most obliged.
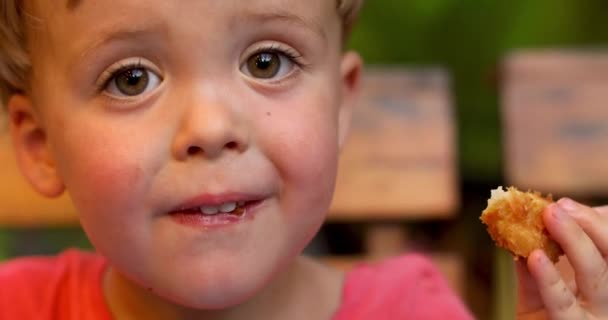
(290, 53)
(110, 74)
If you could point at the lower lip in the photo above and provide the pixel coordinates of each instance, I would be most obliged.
(217, 220)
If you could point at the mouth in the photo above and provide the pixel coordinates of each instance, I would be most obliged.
(216, 211)
(234, 208)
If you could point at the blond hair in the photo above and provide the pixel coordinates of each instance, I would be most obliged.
(14, 59)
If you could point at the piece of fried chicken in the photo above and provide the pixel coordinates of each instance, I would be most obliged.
(514, 220)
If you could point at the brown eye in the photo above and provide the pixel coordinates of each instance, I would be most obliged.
(132, 81)
(268, 65)
(264, 65)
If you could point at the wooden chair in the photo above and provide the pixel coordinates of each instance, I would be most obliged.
(556, 122)
(399, 165)
(555, 133)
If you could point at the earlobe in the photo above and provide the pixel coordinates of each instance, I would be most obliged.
(31, 149)
(350, 70)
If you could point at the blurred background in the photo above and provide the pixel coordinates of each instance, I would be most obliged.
(469, 42)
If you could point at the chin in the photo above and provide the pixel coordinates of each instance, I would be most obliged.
(214, 286)
(206, 300)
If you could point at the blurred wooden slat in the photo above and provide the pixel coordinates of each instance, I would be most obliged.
(385, 240)
(451, 266)
(556, 121)
(399, 161)
(20, 205)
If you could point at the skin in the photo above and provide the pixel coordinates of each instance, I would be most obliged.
(577, 288)
(207, 125)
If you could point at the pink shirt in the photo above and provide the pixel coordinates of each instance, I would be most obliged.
(68, 287)
(405, 287)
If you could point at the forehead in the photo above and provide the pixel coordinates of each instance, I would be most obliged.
(85, 21)
(313, 10)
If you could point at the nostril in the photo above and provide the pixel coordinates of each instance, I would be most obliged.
(194, 150)
(197, 150)
(231, 145)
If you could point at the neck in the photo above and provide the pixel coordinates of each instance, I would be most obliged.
(303, 287)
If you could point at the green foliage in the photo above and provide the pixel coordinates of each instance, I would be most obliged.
(4, 243)
(47, 241)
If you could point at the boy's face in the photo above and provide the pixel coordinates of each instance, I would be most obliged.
(143, 109)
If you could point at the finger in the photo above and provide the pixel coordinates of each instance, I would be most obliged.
(587, 262)
(592, 279)
(602, 210)
(528, 296)
(567, 273)
(594, 221)
(559, 302)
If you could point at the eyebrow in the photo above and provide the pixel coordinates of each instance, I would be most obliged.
(116, 35)
(143, 31)
(282, 16)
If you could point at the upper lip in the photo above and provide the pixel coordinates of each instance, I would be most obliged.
(217, 200)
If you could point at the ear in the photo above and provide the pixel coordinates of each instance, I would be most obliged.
(350, 71)
(31, 149)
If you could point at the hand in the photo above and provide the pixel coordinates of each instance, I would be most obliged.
(545, 293)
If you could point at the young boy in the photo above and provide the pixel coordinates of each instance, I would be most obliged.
(198, 141)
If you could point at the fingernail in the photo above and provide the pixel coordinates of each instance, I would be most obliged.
(568, 204)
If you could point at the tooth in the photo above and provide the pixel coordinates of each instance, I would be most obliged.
(209, 210)
(228, 207)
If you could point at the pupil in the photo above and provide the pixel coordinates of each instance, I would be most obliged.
(132, 82)
(134, 76)
(264, 65)
(265, 61)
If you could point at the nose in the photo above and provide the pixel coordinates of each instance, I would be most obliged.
(208, 128)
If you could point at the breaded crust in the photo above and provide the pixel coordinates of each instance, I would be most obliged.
(514, 221)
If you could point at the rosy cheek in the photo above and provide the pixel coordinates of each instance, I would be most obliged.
(308, 163)
(100, 173)
(306, 150)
